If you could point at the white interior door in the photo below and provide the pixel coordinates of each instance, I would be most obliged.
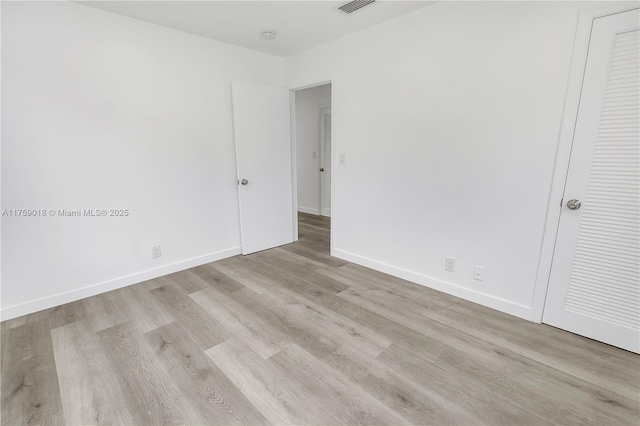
(594, 288)
(325, 161)
(261, 118)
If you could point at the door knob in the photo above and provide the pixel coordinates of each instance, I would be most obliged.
(574, 204)
(244, 182)
(322, 169)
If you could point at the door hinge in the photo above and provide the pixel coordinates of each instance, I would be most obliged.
(561, 201)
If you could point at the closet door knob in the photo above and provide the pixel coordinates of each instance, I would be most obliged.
(574, 204)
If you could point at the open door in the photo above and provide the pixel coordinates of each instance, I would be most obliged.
(261, 118)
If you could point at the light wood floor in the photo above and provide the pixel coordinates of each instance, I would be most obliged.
(291, 336)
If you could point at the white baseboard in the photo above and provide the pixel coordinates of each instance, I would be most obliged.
(522, 311)
(308, 210)
(71, 296)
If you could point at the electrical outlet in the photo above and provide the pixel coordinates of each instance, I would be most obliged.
(450, 264)
(155, 251)
(478, 273)
(341, 158)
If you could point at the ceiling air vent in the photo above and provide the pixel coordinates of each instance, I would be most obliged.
(355, 5)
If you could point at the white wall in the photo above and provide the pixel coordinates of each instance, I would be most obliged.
(449, 118)
(102, 111)
(307, 115)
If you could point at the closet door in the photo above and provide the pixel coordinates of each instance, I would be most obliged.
(594, 288)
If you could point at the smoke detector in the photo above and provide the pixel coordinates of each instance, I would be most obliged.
(268, 35)
(355, 5)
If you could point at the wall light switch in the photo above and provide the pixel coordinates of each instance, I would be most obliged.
(314, 155)
(341, 158)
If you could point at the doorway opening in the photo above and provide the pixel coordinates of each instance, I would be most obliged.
(313, 125)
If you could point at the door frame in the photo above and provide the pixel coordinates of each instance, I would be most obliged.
(321, 152)
(563, 151)
(294, 167)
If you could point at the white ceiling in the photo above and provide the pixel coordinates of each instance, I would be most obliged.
(300, 25)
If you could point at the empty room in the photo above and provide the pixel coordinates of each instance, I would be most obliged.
(320, 212)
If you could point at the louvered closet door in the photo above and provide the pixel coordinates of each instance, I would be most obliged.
(594, 289)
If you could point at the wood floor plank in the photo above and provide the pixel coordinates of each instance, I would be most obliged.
(590, 360)
(154, 283)
(301, 330)
(26, 319)
(209, 392)
(248, 277)
(57, 316)
(418, 405)
(320, 227)
(257, 379)
(212, 276)
(313, 233)
(351, 313)
(310, 318)
(301, 396)
(435, 330)
(102, 312)
(140, 308)
(319, 246)
(355, 277)
(272, 276)
(471, 397)
(314, 255)
(66, 314)
(527, 388)
(286, 260)
(323, 222)
(29, 381)
(400, 302)
(201, 326)
(365, 319)
(292, 293)
(241, 322)
(341, 330)
(331, 391)
(187, 281)
(150, 394)
(89, 387)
